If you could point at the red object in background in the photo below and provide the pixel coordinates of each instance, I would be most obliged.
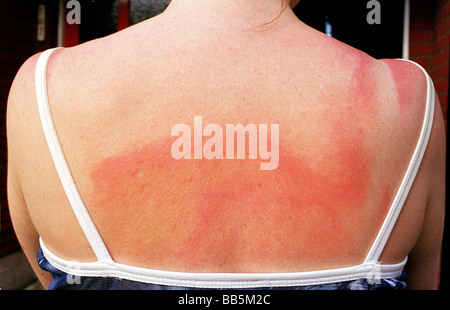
(71, 35)
(123, 20)
(72, 31)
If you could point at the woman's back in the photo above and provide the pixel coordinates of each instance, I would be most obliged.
(347, 128)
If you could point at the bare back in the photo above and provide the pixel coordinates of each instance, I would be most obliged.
(348, 125)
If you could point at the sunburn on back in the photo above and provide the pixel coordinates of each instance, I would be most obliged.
(235, 142)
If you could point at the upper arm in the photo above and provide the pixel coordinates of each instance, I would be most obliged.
(20, 98)
(423, 267)
(23, 225)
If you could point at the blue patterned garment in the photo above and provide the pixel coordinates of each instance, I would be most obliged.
(64, 281)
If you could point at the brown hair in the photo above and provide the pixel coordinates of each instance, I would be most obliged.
(270, 24)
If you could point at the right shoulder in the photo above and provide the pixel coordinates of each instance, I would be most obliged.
(410, 82)
(405, 87)
(429, 184)
(412, 89)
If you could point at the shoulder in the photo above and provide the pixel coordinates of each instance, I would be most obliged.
(402, 90)
(23, 84)
(410, 81)
(429, 185)
(412, 88)
(22, 115)
(21, 101)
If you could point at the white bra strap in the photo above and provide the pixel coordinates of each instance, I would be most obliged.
(60, 163)
(408, 180)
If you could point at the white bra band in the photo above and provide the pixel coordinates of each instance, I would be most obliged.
(372, 271)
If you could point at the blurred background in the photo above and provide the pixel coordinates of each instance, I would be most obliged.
(413, 29)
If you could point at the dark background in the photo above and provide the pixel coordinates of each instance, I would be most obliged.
(348, 19)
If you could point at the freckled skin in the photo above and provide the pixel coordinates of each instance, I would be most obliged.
(402, 74)
(219, 215)
(386, 201)
(229, 216)
(363, 90)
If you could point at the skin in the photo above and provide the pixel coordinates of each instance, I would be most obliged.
(347, 134)
(401, 73)
(197, 212)
(365, 90)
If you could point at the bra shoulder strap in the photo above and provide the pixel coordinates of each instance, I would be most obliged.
(60, 162)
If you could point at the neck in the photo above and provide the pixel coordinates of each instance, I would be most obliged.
(253, 12)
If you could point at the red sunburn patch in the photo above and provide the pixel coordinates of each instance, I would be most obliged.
(222, 212)
(363, 82)
(402, 73)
